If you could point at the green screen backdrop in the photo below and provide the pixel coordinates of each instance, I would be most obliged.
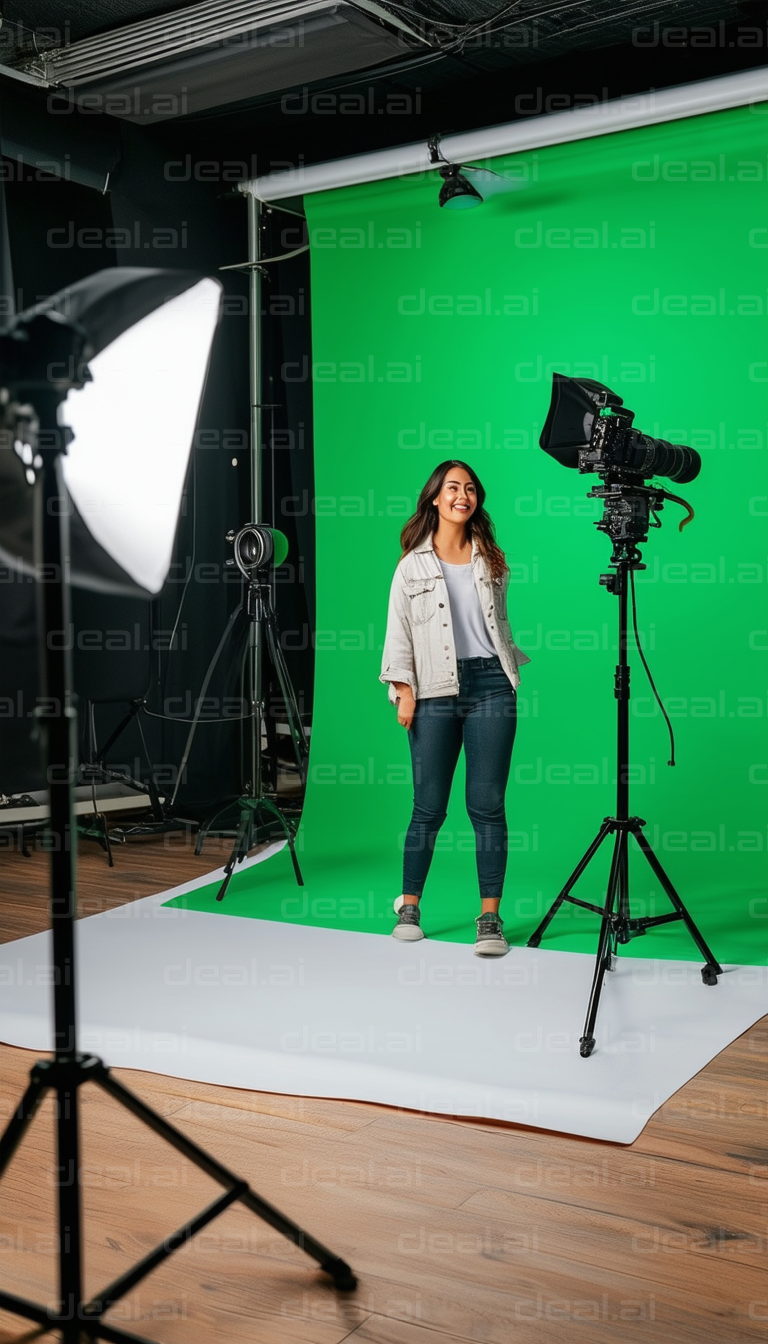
(638, 259)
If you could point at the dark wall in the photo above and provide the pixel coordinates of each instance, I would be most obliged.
(60, 230)
(42, 209)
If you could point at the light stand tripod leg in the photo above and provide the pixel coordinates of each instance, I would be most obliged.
(239, 851)
(332, 1264)
(294, 860)
(604, 946)
(22, 1117)
(288, 831)
(538, 934)
(152, 789)
(622, 922)
(298, 737)
(199, 702)
(68, 1177)
(202, 834)
(258, 608)
(100, 833)
(81, 1329)
(713, 968)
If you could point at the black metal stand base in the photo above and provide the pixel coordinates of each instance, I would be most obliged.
(254, 806)
(617, 925)
(85, 1318)
(253, 811)
(93, 826)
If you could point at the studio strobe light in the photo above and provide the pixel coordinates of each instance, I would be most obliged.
(257, 546)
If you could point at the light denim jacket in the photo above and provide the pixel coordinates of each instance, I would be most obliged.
(419, 648)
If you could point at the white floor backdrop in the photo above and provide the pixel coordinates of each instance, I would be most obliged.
(426, 1026)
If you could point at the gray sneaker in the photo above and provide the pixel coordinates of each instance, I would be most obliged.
(490, 940)
(408, 927)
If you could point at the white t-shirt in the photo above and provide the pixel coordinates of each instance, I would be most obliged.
(470, 633)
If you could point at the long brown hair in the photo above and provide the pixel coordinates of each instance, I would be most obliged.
(423, 524)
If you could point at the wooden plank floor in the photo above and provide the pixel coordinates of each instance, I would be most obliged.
(458, 1230)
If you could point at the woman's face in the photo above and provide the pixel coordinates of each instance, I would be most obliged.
(457, 500)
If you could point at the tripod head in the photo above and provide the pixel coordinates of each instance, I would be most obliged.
(630, 510)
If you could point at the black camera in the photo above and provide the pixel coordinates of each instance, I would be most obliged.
(589, 427)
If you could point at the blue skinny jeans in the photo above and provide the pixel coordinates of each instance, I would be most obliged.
(483, 718)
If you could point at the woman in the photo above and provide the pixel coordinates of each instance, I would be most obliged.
(452, 669)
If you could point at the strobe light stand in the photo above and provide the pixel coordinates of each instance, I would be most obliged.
(30, 416)
(588, 427)
(257, 548)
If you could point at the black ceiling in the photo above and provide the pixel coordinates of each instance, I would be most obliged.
(537, 55)
(562, 25)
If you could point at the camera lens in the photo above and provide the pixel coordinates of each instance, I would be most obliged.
(657, 457)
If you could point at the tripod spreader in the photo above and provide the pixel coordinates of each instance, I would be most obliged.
(66, 1075)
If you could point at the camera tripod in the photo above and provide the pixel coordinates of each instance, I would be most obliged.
(616, 924)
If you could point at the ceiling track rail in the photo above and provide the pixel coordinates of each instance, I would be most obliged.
(212, 24)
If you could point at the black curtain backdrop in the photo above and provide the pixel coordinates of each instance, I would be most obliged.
(64, 225)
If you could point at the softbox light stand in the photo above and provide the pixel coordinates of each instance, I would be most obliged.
(617, 926)
(46, 343)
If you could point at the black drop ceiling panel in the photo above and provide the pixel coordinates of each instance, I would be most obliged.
(86, 16)
(328, 44)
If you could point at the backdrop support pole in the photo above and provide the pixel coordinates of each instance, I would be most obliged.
(255, 807)
(254, 297)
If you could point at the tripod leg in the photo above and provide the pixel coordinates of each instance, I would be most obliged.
(205, 827)
(294, 860)
(270, 729)
(622, 934)
(23, 1115)
(713, 968)
(332, 1264)
(229, 627)
(70, 1210)
(107, 842)
(538, 934)
(604, 946)
(289, 835)
(95, 828)
(239, 851)
(298, 736)
(201, 835)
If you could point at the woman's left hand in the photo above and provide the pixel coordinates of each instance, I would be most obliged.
(406, 707)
